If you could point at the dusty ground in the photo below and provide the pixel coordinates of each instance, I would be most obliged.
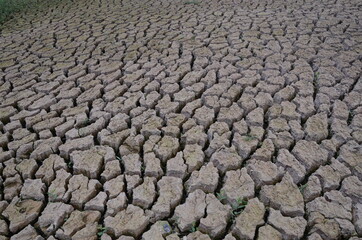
(182, 120)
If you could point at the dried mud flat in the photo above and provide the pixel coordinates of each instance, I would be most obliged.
(182, 120)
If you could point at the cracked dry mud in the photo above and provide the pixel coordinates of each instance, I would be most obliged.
(182, 120)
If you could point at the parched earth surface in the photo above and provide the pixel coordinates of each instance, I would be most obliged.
(182, 120)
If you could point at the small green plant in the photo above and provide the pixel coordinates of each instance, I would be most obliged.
(52, 195)
(302, 187)
(192, 2)
(194, 228)
(315, 81)
(221, 195)
(85, 123)
(249, 138)
(70, 164)
(316, 76)
(350, 117)
(239, 206)
(101, 230)
(119, 159)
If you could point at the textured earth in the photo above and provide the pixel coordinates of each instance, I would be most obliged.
(182, 120)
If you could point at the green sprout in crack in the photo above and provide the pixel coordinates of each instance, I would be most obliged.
(249, 138)
(239, 206)
(315, 81)
(70, 164)
(302, 187)
(221, 195)
(351, 115)
(194, 228)
(119, 159)
(86, 122)
(52, 195)
(101, 230)
(316, 76)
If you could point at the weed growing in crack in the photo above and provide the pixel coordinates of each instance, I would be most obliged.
(194, 228)
(221, 195)
(302, 187)
(70, 164)
(315, 81)
(101, 230)
(119, 159)
(316, 76)
(238, 207)
(249, 138)
(351, 114)
(86, 122)
(52, 196)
